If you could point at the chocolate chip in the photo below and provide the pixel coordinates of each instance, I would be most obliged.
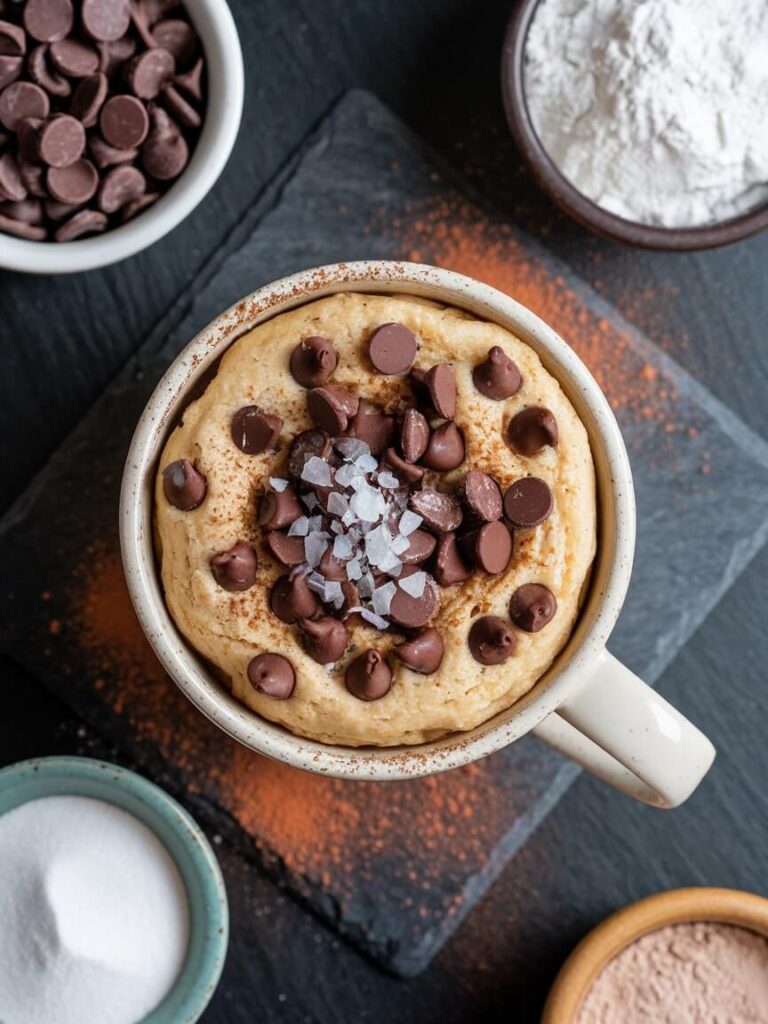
(191, 81)
(331, 407)
(235, 570)
(105, 155)
(445, 449)
(183, 486)
(423, 653)
(255, 431)
(405, 471)
(11, 185)
(13, 42)
(31, 232)
(528, 502)
(325, 639)
(136, 206)
(180, 110)
(304, 446)
(532, 606)
(450, 566)
(10, 69)
(28, 211)
(61, 141)
(491, 640)
(32, 177)
(420, 546)
(351, 597)
(122, 185)
(278, 509)
(531, 430)
(88, 100)
(287, 550)
(498, 377)
(272, 675)
(490, 547)
(27, 134)
(440, 382)
(113, 56)
(331, 567)
(414, 436)
(414, 612)
(313, 361)
(124, 122)
(176, 36)
(291, 599)
(164, 154)
(87, 222)
(373, 426)
(482, 496)
(48, 20)
(74, 184)
(22, 99)
(105, 20)
(42, 74)
(73, 59)
(369, 677)
(58, 211)
(392, 348)
(149, 71)
(441, 512)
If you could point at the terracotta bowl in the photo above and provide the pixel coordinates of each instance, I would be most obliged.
(567, 197)
(603, 943)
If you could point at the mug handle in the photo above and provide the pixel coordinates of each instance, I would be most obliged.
(621, 730)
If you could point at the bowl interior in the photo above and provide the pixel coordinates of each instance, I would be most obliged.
(224, 70)
(610, 573)
(182, 837)
(567, 196)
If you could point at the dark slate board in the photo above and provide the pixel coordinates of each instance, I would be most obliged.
(394, 867)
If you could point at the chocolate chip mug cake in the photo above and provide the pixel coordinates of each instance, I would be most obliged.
(378, 519)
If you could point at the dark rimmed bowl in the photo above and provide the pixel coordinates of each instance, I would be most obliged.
(567, 197)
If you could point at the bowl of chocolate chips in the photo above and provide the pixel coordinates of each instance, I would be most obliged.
(116, 119)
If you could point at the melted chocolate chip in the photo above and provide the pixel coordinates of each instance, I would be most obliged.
(498, 377)
(405, 471)
(441, 512)
(440, 382)
(372, 426)
(235, 570)
(331, 567)
(445, 449)
(331, 408)
(287, 550)
(414, 612)
(392, 348)
(531, 430)
(423, 653)
(420, 546)
(532, 606)
(369, 677)
(325, 639)
(278, 509)
(255, 431)
(528, 502)
(450, 566)
(491, 640)
(482, 496)
(313, 361)
(272, 675)
(414, 435)
(291, 599)
(183, 486)
(305, 445)
(490, 547)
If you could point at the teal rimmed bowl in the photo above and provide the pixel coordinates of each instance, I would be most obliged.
(181, 836)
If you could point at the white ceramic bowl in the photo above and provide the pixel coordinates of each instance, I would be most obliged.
(587, 705)
(224, 67)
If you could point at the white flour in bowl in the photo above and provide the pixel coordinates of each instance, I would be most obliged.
(657, 110)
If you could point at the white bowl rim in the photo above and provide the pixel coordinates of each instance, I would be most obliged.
(610, 576)
(224, 105)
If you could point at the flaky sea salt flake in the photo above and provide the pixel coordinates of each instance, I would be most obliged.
(317, 471)
(374, 619)
(409, 522)
(278, 484)
(414, 584)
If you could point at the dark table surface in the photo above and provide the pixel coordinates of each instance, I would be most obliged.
(435, 63)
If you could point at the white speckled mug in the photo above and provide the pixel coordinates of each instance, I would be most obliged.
(588, 705)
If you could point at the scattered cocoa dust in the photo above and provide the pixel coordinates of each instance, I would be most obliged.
(331, 831)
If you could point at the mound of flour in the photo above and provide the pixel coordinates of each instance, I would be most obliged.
(657, 110)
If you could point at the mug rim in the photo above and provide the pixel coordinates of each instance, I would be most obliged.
(610, 574)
